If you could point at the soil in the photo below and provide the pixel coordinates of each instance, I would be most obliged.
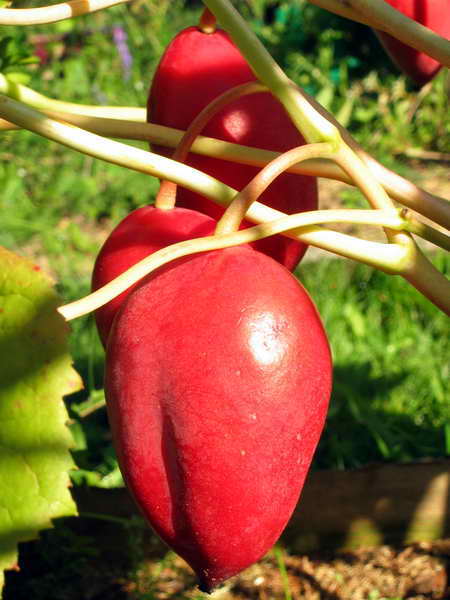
(417, 572)
(54, 571)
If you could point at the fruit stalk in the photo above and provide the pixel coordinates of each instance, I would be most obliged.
(379, 15)
(387, 257)
(236, 211)
(120, 126)
(166, 196)
(313, 126)
(54, 13)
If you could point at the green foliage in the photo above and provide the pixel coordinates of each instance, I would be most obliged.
(344, 67)
(15, 52)
(35, 371)
(391, 375)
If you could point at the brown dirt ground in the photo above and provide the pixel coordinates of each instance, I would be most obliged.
(415, 572)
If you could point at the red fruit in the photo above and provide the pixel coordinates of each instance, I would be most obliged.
(141, 233)
(434, 14)
(196, 68)
(218, 376)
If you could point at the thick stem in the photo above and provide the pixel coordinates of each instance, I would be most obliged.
(430, 282)
(235, 213)
(109, 121)
(400, 189)
(114, 152)
(428, 233)
(165, 168)
(380, 15)
(310, 123)
(54, 13)
(22, 93)
(384, 256)
(166, 196)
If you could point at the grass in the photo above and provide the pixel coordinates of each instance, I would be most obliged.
(388, 343)
(390, 372)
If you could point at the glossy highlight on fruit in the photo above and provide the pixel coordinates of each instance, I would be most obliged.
(195, 69)
(218, 376)
(434, 14)
(142, 232)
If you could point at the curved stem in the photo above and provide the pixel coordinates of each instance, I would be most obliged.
(114, 152)
(388, 256)
(430, 282)
(350, 162)
(22, 93)
(166, 196)
(153, 164)
(400, 189)
(115, 122)
(54, 13)
(236, 211)
(428, 233)
(380, 15)
(313, 126)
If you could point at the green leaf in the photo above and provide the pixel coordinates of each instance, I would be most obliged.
(35, 373)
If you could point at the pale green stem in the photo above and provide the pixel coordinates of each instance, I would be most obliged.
(430, 282)
(381, 15)
(439, 238)
(22, 93)
(400, 189)
(153, 164)
(54, 13)
(235, 213)
(310, 121)
(115, 152)
(387, 257)
(313, 126)
(166, 196)
(356, 170)
(407, 193)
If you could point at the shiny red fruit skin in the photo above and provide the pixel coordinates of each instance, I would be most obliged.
(434, 14)
(218, 375)
(142, 232)
(196, 68)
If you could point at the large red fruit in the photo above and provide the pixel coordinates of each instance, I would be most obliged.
(141, 233)
(434, 14)
(218, 376)
(196, 68)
